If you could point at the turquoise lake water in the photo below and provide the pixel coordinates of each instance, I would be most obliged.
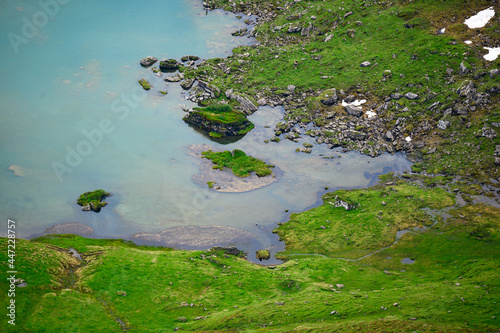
(77, 74)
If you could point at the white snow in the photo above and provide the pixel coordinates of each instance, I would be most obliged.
(442, 31)
(468, 42)
(480, 19)
(355, 103)
(408, 139)
(493, 54)
(370, 114)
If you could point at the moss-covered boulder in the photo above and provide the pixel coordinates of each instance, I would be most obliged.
(263, 255)
(219, 121)
(93, 200)
(169, 65)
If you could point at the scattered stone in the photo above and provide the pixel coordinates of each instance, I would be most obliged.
(443, 124)
(148, 61)
(389, 136)
(200, 318)
(494, 72)
(262, 101)
(181, 319)
(463, 69)
(353, 111)
(411, 96)
(279, 303)
(366, 64)
(121, 293)
(333, 312)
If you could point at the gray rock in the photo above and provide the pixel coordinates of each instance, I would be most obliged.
(328, 38)
(468, 91)
(187, 84)
(350, 99)
(262, 101)
(290, 88)
(356, 135)
(366, 64)
(348, 14)
(449, 71)
(306, 30)
(331, 100)
(497, 160)
(86, 208)
(353, 111)
(488, 132)
(294, 29)
(396, 96)
(148, 61)
(411, 96)
(463, 69)
(351, 33)
(245, 103)
(389, 136)
(339, 286)
(443, 124)
(494, 72)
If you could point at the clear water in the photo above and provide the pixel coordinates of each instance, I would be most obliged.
(79, 73)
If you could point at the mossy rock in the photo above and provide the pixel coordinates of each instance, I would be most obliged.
(93, 200)
(263, 255)
(219, 121)
(145, 84)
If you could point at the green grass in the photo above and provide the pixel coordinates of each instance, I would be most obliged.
(381, 212)
(240, 163)
(451, 287)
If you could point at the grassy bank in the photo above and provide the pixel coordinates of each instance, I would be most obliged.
(450, 287)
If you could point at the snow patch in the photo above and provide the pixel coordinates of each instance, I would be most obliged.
(468, 42)
(442, 31)
(408, 139)
(480, 19)
(370, 114)
(355, 103)
(493, 54)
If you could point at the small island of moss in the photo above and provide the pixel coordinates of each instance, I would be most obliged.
(93, 200)
(145, 84)
(219, 121)
(263, 255)
(241, 164)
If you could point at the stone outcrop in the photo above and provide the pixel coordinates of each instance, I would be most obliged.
(148, 61)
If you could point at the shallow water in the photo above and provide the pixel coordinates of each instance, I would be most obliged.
(79, 75)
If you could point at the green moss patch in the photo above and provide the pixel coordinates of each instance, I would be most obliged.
(93, 200)
(240, 163)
